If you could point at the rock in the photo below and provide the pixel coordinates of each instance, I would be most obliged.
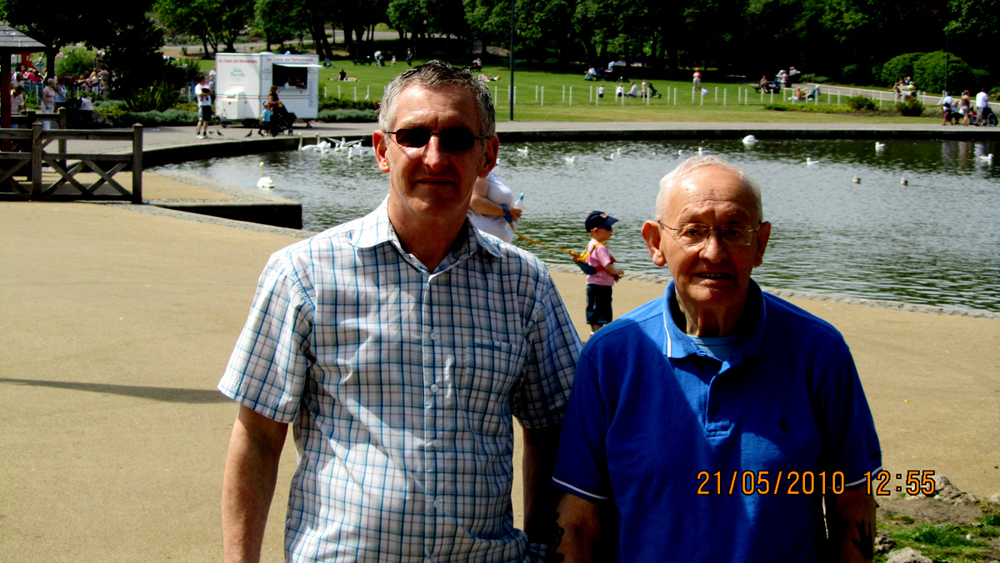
(907, 555)
(883, 543)
(947, 492)
(995, 499)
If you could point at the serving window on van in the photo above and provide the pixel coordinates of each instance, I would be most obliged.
(292, 75)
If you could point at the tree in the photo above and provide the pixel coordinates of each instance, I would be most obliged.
(214, 22)
(55, 24)
(281, 20)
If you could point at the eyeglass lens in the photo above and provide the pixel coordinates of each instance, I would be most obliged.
(452, 140)
(694, 234)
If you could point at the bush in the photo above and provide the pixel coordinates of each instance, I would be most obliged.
(333, 102)
(856, 74)
(980, 78)
(161, 96)
(78, 62)
(898, 67)
(348, 115)
(929, 72)
(861, 103)
(815, 78)
(910, 107)
(154, 118)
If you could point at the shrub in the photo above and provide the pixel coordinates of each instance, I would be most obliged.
(856, 74)
(929, 72)
(861, 103)
(161, 96)
(333, 102)
(910, 107)
(150, 118)
(815, 78)
(78, 62)
(980, 78)
(348, 115)
(898, 67)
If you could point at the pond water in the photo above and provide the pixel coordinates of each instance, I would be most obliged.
(934, 241)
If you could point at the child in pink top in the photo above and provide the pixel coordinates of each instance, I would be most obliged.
(599, 284)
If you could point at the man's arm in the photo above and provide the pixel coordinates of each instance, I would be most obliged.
(579, 527)
(850, 518)
(248, 484)
(540, 497)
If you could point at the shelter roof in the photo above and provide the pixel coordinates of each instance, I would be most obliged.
(13, 41)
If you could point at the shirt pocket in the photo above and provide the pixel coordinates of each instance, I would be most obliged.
(489, 374)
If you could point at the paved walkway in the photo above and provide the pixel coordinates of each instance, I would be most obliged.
(116, 322)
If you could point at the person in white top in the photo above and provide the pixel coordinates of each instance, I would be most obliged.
(486, 209)
(982, 102)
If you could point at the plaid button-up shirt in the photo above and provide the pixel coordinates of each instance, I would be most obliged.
(401, 385)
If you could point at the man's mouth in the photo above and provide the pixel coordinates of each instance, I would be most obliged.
(714, 275)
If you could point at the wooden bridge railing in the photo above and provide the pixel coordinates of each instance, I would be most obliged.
(23, 152)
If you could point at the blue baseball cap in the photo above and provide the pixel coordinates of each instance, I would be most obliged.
(598, 219)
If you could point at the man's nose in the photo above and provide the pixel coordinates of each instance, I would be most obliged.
(713, 248)
(434, 155)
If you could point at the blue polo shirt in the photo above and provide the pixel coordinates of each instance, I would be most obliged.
(674, 437)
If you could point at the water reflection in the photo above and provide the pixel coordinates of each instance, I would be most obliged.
(935, 240)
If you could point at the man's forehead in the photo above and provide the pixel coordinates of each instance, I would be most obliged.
(437, 100)
(711, 187)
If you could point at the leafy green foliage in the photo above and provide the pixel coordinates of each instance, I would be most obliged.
(899, 67)
(861, 103)
(347, 115)
(345, 103)
(910, 107)
(160, 96)
(929, 72)
(944, 535)
(76, 62)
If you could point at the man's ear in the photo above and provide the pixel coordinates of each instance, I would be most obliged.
(380, 142)
(763, 235)
(490, 156)
(652, 234)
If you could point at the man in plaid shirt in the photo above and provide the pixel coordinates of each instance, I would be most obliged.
(400, 346)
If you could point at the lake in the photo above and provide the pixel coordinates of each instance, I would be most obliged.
(934, 241)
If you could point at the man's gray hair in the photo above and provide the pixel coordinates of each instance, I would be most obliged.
(689, 166)
(434, 74)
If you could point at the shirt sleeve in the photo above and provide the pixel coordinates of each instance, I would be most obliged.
(268, 367)
(582, 463)
(553, 350)
(851, 444)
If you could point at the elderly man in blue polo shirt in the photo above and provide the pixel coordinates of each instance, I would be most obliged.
(714, 422)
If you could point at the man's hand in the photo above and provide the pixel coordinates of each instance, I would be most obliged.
(579, 527)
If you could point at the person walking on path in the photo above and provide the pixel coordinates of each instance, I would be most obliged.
(401, 345)
(716, 382)
(696, 80)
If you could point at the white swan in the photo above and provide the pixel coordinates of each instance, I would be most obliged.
(879, 146)
(749, 140)
(264, 182)
(569, 159)
(810, 162)
(524, 151)
(986, 157)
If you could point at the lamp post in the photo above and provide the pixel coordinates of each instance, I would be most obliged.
(511, 55)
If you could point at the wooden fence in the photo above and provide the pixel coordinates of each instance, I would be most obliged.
(23, 152)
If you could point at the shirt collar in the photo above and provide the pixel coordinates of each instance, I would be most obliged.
(375, 230)
(679, 345)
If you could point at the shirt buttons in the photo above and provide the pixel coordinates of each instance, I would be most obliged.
(716, 415)
(434, 335)
(438, 503)
(435, 388)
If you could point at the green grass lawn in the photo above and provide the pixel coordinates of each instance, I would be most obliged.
(720, 105)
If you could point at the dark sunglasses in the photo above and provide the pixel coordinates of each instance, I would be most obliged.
(456, 139)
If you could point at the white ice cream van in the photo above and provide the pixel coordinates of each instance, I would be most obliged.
(243, 81)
